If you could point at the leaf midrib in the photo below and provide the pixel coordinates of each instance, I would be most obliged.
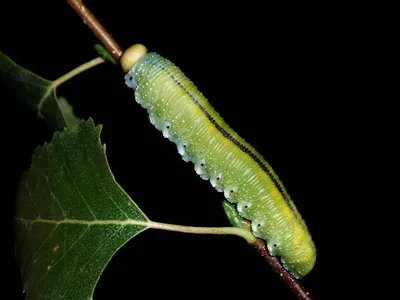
(127, 222)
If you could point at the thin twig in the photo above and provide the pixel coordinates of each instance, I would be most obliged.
(274, 262)
(116, 52)
(99, 31)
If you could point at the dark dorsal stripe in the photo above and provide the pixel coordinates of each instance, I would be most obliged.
(233, 140)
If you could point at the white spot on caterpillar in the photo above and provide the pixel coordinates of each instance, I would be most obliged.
(130, 81)
(204, 176)
(216, 182)
(242, 208)
(273, 247)
(186, 158)
(130, 78)
(158, 123)
(181, 147)
(256, 225)
(200, 169)
(247, 171)
(165, 130)
(152, 118)
(229, 194)
(139, 100)
(211, 140)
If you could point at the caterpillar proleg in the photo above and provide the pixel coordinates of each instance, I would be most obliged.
(219, 154)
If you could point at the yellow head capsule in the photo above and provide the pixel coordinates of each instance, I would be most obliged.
(131, 56)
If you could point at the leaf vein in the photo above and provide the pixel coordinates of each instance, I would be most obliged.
(51, 191)
(78, 273)
(30, 198)
(129, 222)
(76, 188)
(102, 186)
(61, 258)
(29, 262)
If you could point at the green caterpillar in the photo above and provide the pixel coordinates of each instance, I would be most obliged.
(220, 155)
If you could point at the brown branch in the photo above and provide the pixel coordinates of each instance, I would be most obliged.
(102, 34)
(99, 31)
(274, 262)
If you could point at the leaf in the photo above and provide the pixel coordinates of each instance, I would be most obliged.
(71, 216)
(38, 92)
(104, 53)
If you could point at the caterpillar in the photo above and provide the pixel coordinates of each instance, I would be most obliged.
(219, 154)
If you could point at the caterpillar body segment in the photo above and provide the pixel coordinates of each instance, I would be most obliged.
(235, 168)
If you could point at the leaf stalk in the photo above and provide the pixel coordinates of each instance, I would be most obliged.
(66, 77)
(245, 234)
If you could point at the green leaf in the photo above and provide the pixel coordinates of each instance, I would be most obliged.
(71, 216)
(38, 92)
(104, 53)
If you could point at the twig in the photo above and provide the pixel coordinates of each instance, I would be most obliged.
(116, 52)
(99, 31)
(274, 262)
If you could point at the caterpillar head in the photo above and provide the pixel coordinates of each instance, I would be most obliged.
(132, 56)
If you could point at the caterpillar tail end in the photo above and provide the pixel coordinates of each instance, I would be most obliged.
(297, 266)
(299, 269)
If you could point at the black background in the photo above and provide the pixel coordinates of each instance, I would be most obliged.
(273, 75)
